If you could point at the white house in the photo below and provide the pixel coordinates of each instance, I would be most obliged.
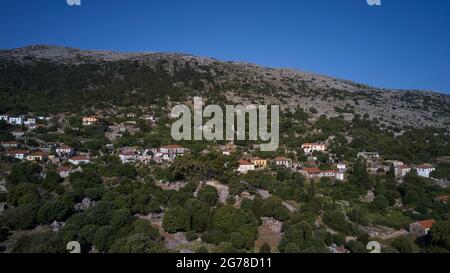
(421, 228)
(396, 163)
(245, 166)
(10, 144)
(283, 161)
(64, 151)
(18, 154)
(4, 118)
(128, 157)
(15, 120)
(64, 171)
(424, 170)
(340, 176)
(77, 160)
(341, 167)
(18, 134)
(169, 152)
(402, 170)
(89, 120)
(311, 147)
(368, 155)
(30, 121)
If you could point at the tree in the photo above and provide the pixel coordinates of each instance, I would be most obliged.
(198, 215)
(136, 243)
(25, 173)
(391, 172)
(51, 181)
(381, 202)
(440, 234)
(209, 195)
(176, 219)
(144, 227)
(104, 238)
(403, 245)
(46, 242)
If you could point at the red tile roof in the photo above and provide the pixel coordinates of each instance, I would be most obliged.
(426, 223)
(244, 162)
(312, 144)
(423, 167)
(280, 158)
(173, 146)
(312, 170)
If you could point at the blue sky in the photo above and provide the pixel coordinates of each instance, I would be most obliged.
(401, 44)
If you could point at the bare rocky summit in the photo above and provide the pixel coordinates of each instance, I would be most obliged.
(244, 82)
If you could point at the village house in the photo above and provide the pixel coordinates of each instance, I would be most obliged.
(64, 151)
(10, 144)
(90, 120)
(311, 172)
(15, 120)
(318, 173)
(37, 156)
(144, 158)
(339, 176)
(309, 148)
(396, 163)
(259, 162)
(29, 121)
(402, 170)
(368, 155)
(374, 168)
(282, 161)
(65, 171)
(149, 118)
(128, 157)
(245, 166)
(18, 154)
(131, 115)
(4, 118)
(77, 160)
(169, 152)
(18, 134)
(424, 170)
(421, 228)
(341, 167)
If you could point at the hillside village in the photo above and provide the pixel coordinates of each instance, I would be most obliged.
(309, 188)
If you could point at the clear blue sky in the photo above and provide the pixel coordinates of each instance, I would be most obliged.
(401, 44)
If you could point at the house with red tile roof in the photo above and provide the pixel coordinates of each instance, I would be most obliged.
(421, 228)
(18, 154)
(424, 170)
(169, 152)
(245, 166)
(283, 161)
(77, 160)
(312, 147)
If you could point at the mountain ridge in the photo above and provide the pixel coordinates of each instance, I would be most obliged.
(237, 81)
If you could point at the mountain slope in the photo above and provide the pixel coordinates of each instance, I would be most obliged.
(51, 79)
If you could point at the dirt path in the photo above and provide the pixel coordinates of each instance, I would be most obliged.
(222, 190)
(269, 232)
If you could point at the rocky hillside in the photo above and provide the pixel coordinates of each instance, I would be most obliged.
(35, 78)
